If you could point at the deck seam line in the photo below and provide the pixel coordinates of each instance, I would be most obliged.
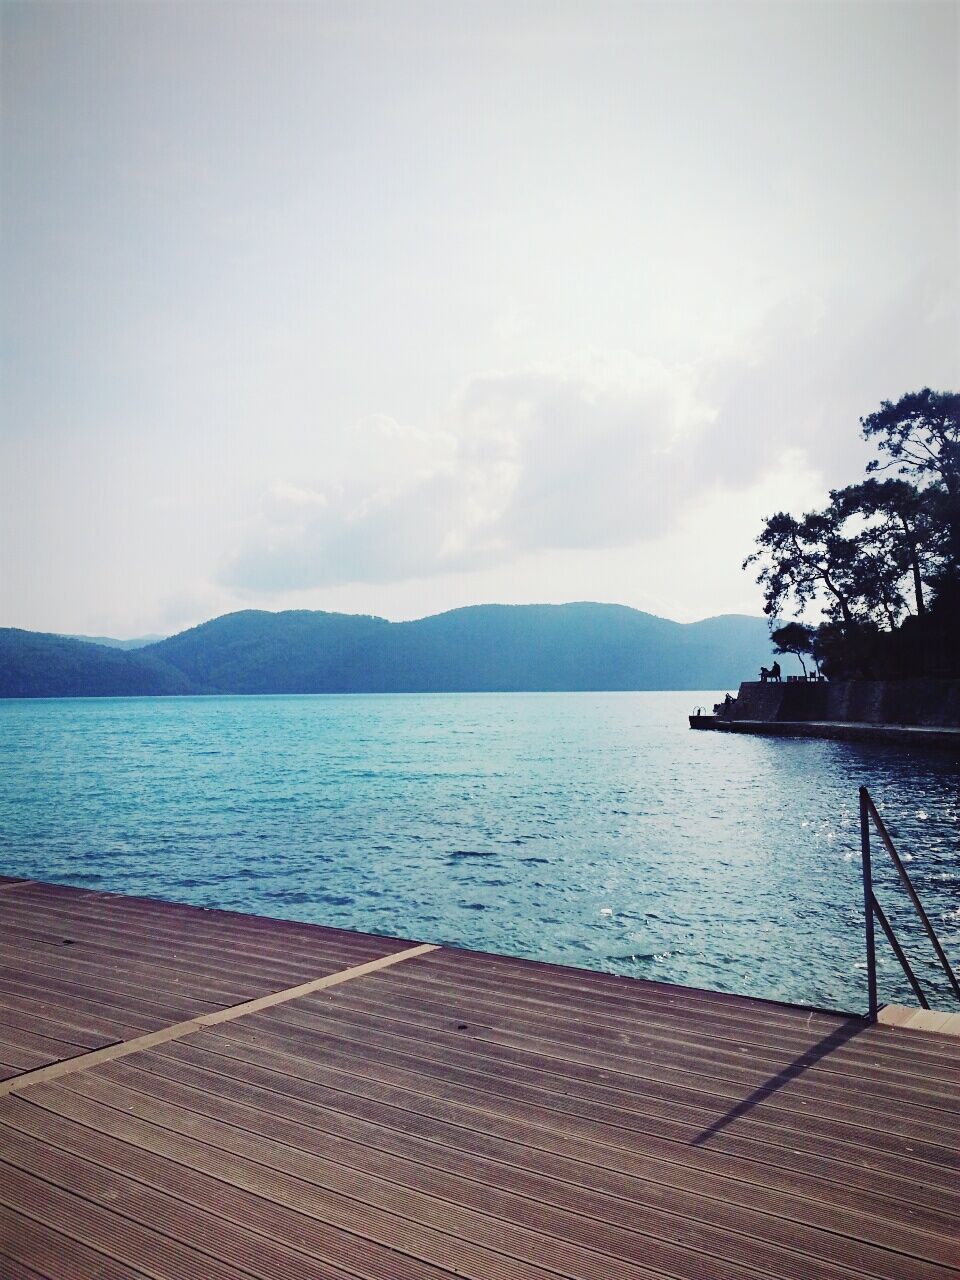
(177, 1030)
(17, 884)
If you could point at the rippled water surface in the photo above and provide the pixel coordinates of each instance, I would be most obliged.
(590, 829)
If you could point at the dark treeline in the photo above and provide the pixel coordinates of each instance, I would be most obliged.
(882, 558)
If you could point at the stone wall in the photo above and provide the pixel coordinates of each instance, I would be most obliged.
(920, 702)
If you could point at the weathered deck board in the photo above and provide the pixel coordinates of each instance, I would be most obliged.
(770, 1144)
(114, 967)
(594, 994)
(454, 1114)
(697, 1051)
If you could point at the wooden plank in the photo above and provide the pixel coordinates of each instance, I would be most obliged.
(672, 1084)
(215, 1239)
(45, 1047)
(137, 1006)
(204, 961)
(556, 982)
(596, 983)
(933, 1209)
(682, 1009)
(161, 914)
(461, 1114)
(480, 1222)
(99, 1231)
(244, 1203)
(103, 972)
(403, 1118)
(66, 983)
(173, 1032)
(676, 993)
(743, 1016)
(823, 1159)
(360, 1223)
(88, 1012)
(20, 1056)
(16, 1067)
(169, 972)
(12, 1269)
(639, 1042)
(26, 1015)
(56, 1256)
(480, 1200)
(201, 938)
(176, 925)
(95, 968)
(663, 1211)
(100, 971)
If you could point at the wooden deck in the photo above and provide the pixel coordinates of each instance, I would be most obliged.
(203, 1094)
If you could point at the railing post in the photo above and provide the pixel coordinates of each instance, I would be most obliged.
(868, 906)
(912, 893)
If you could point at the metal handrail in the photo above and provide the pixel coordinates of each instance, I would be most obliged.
(873, 910)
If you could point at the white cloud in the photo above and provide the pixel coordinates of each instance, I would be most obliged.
(606, 449)
(721, 207)
(589, 453)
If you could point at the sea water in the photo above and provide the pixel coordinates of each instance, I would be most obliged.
(594, 830)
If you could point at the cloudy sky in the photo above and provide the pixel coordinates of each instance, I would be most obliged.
(394, 307)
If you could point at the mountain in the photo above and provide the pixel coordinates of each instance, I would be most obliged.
(35, 665)
(298, 651)
(482, 648)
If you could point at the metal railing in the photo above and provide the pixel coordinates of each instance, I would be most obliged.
(873, 910)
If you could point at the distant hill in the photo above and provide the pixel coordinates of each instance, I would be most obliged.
(35, 665)
(138, 642)
(484, 648)
(298, 651)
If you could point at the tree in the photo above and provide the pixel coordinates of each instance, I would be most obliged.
(796, 638)
(882, 560)
(901, 525)
(920, 437)
(800, 560)
(854, 574)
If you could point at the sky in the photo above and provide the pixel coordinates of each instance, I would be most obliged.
(397, 307)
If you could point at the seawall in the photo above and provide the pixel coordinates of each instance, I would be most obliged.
(923, 702)
(903, 735)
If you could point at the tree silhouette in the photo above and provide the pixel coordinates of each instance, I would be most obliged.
(795, 638)
(920, 437)
(882, 560)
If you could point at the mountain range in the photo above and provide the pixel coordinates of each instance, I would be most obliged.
(483, 648)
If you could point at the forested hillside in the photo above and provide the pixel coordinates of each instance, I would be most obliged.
(36, 665)
(483, 648)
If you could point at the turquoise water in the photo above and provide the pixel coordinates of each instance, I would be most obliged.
(590, 829)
